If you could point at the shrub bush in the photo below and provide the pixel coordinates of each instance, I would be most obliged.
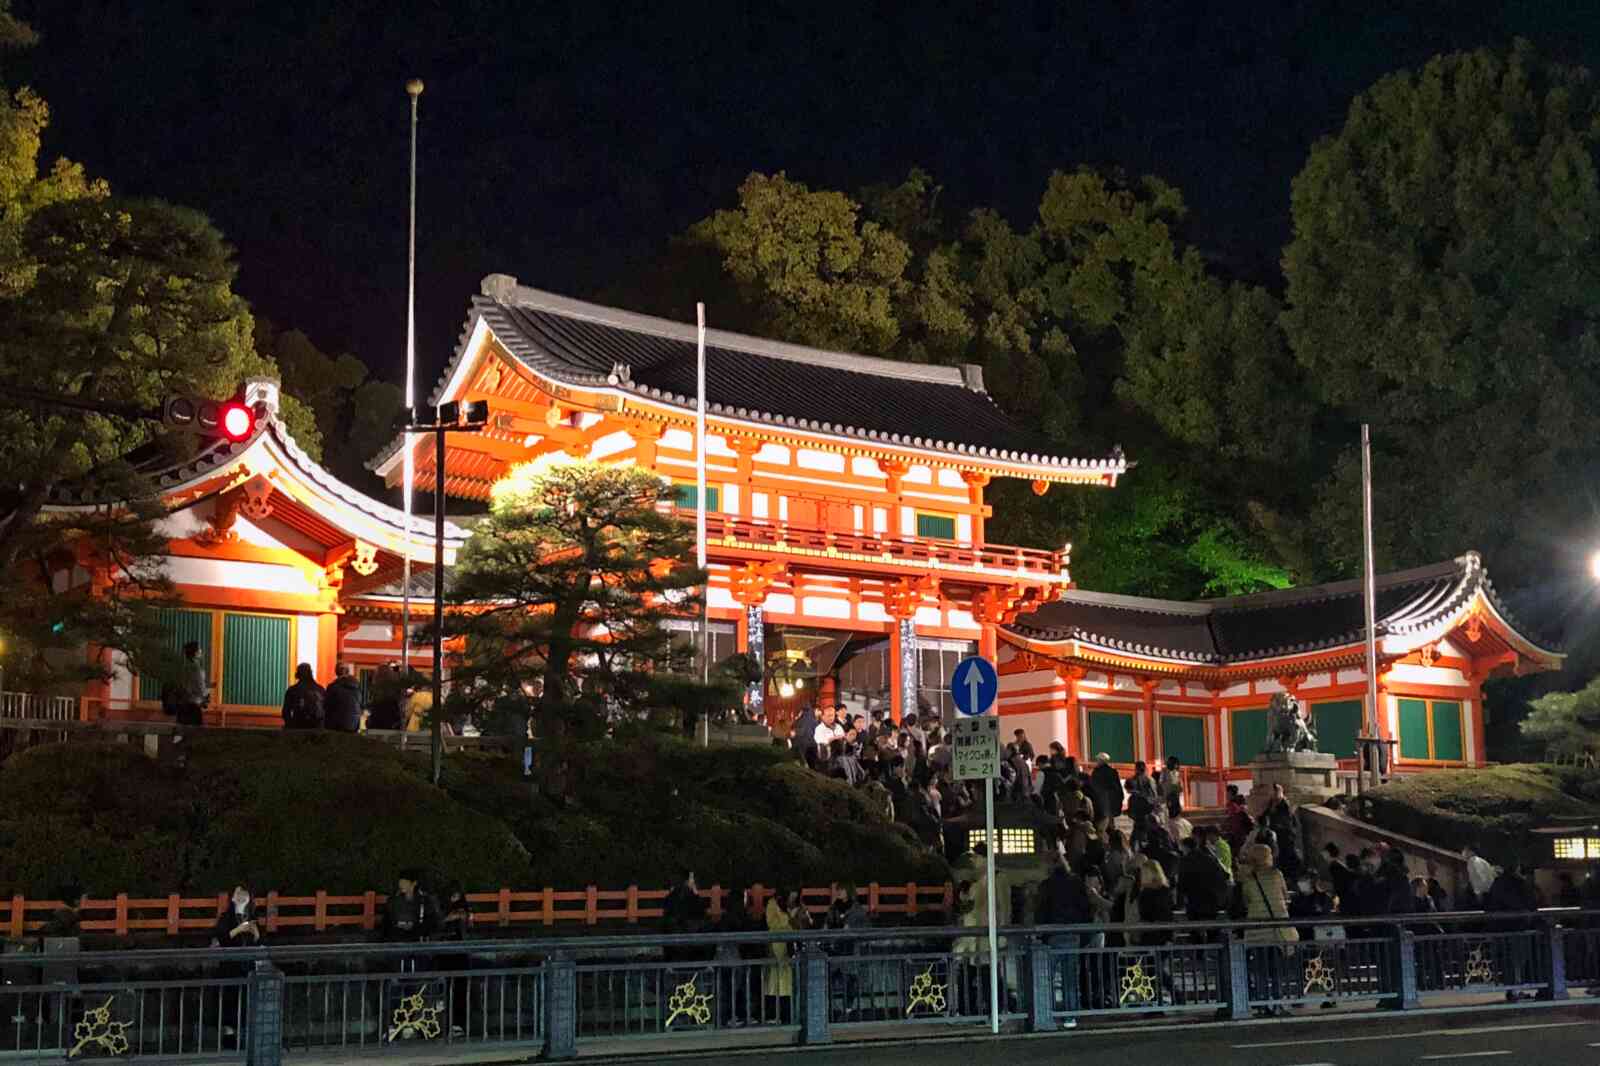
(1493, 808)
(302, 812)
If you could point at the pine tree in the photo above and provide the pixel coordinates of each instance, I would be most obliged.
(562, 597)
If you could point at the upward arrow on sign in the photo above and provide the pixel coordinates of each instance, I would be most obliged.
(974, 686)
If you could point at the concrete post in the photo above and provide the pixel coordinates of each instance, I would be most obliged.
(560, 1006)
(813, 995)
(1237, 977)
(1041, 991)
(263, 1040)
(1556, 964)
(1405, 975)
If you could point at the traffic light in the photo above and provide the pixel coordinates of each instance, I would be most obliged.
(230, 420)
(470, 414)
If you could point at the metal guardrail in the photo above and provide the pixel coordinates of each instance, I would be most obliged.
(262, 1006)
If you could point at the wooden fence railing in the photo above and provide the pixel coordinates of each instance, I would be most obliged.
(174, 915)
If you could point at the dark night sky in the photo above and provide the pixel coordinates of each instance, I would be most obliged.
(566, 144)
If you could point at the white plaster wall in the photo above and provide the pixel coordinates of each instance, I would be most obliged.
(717, 444)
(780, 603)
(610, 444)
(1170, 688)
(717, 596)
(1241, 689)
(908, 521)
(730, 499)
(1268, 687)
(859, 514)
(370, 631)
(679, 440)
(1031, 680)
(880, 520)
(121, 677)
(225, 573)
(1350, 677)
(964, 528)
(783, 508)
(871, 611)
(183, 524)
(305, 629)
(962, 620)
(1426, 675)
(951, 478)
(1318, 680)
(918, 475)
(758, 505)
(773, 453)
(1042, 726)
(929, 616)
(811, 459)
(863, 466)
(825, 607)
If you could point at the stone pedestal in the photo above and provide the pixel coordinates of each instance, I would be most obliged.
(1306, 776)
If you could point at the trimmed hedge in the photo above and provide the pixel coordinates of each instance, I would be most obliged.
(1493, 808)
(297, 813)
(301, 812)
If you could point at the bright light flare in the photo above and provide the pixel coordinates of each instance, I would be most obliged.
(1594, 566)
(237, 421)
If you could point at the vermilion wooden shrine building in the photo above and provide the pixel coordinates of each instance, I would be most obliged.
(846, 515)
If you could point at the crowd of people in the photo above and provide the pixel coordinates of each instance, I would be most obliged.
(397, 700)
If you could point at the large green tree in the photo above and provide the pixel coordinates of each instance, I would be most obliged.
(1442, 284)
(1096, 323)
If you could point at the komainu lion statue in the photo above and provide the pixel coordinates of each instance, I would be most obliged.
(1287, 728)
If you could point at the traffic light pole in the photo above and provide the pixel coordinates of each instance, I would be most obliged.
(438, 605)
(439, 429)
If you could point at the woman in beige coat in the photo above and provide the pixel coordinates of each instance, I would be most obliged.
(1266, 898)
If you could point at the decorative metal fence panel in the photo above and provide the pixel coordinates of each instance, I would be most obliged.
(135, 1019)
(1482, 961)
(1095, 979)
(642, 998)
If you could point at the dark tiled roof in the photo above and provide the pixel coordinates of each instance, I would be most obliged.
(907, 404)
(1265, 624)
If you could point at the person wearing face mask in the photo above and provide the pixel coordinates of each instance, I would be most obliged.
(237, 927)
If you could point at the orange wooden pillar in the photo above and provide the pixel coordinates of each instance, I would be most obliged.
(1073, 740)
(827, 692)
(897, 708)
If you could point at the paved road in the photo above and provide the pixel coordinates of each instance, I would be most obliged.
(1562, 1036)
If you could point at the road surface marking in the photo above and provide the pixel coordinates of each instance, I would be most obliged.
(1464, 1055)
(1413, 1036)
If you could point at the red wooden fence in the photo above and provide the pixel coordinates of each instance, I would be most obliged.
(173, 914)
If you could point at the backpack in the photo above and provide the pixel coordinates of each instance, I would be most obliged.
(305, 707)
(169, 698)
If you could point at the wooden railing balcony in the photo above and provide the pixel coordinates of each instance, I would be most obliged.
(763, 534)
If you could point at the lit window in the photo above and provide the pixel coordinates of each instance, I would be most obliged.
(1579, 848)
(1012, 841)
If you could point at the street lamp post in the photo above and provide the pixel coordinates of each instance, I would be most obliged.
(469, 417)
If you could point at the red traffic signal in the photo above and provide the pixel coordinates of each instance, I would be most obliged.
(232, 420)
(236, 422)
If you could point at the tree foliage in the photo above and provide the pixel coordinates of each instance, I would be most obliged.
(567, 586)
(1096, 323)
(1566, 723)
(1442, 284)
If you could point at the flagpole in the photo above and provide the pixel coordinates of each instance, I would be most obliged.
(700, 500)
(413, 90)
(1369, 596)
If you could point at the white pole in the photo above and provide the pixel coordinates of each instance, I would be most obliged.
(994, 938)
(700, 500)
(408, 475)
(1369, 595)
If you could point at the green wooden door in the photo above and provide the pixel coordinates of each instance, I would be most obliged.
(1414, 729)
(1447, 729)
(1112, 733)
(1249, 734)
(255, 660)
(1337, 725)
(1184, 735)
(179, 628)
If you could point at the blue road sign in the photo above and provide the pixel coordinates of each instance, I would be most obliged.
(974, 685)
